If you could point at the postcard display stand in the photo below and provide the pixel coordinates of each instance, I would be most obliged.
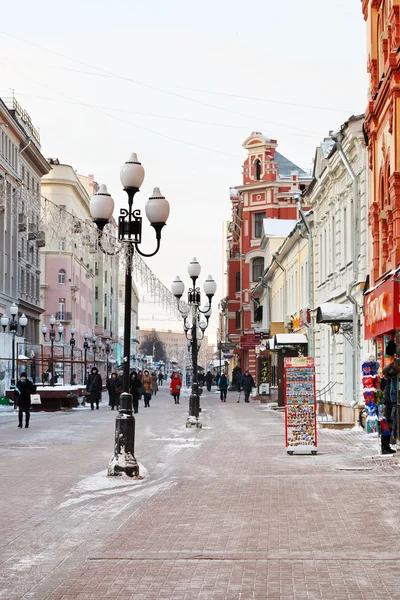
(300, 405)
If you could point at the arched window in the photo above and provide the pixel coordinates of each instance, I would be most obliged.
(257, 268)
(257, 169)
(61, 276)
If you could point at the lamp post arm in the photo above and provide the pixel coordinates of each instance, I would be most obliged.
(151, 253)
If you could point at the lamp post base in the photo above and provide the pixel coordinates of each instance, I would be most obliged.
(193, 422)
(124, 462)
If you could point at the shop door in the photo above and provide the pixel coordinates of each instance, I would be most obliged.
(281, 356)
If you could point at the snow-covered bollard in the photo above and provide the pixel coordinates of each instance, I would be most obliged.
(124, 462)
(193, 422)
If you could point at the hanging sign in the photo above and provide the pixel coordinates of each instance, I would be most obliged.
(300, 405)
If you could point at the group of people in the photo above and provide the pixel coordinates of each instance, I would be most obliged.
(246, 384)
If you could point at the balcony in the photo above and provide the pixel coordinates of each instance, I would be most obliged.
(32, 231)
(21, 222)
(40, 239)
(64, 317)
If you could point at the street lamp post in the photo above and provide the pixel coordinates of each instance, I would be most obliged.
(194, 327)
(129, 234)
(86, 347)
(108, 349)
(72, 345)
(52, 338)
(94, 349)
(12, 323)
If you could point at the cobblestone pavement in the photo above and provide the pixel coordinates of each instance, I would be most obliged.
(222, 513)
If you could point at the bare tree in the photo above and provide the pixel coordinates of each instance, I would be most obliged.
(152, 346)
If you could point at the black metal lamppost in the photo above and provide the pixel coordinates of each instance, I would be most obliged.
(52, 338)
(129, 234)
(94, 349)
(72, 346)
(194, 327)
(12, 323)
(108, 350)
(86, 347)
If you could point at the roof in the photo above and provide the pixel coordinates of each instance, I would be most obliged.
(285, 166)
(326, 147)
(330, 312)
(279, 228)
(287, 339)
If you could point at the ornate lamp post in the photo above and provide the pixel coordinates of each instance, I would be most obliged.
(86, 347)
(194, 326)
(94, 349)
(12, 323)
(108, 350)
(129, 234)
(52, 338)
(72, 346)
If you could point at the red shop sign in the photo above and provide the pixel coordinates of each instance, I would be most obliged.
(248, 341)
(381, 309)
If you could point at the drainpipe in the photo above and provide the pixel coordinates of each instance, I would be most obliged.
(338, 138)
(310, 325)
(275, 259)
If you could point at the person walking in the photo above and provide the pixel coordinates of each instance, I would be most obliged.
(160, 378)
(154, 379)
(134, 389)
(94, 386)
(114, 387)
(23, 392)
(209, 379)
(223, 384)
(176, 386)
(247, 384)
(390, 373)
(147, 384)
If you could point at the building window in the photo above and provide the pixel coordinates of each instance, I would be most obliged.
(62, 245)
(96, 293)
(61, 308)
(257, 169)
(96, 318)
(105, 299)
(105, 322)
(257, 268)
(238, 320)
(258, 224)
(105, 276)
(61, 276)
(238, 281)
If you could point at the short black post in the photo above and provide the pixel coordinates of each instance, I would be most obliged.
(124, 462)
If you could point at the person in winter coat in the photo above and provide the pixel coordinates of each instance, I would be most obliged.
(154, 379)
(176, 386)
(209, 379)
(94, 386)
(247, 384)
(147, 384)
(160, 378)
(23, 392)
(134, 389)
(390, 373)
(223, 384)
(114, 387)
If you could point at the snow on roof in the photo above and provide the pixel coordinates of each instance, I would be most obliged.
(279, 228)
(329, 312)
(326, 148)
(287, 339)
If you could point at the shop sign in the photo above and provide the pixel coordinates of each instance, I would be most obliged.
(298, 320)
(381, 310)
(248, 341)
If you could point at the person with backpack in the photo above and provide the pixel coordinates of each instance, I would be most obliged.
(223, 384)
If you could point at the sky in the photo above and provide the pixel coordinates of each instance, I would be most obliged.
(183, 84)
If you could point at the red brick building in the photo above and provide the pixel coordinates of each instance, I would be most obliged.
(382, 127)
(270, 183)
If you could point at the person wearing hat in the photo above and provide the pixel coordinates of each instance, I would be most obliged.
(390, 373)
(94, 386)
(23, 392)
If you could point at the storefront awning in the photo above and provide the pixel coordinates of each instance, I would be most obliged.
(289, 339)
(334, 313)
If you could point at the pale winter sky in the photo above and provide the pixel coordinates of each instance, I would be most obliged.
(178, 72)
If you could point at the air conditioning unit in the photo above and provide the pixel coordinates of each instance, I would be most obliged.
(40, 239)
(21, 222)
(32, 231)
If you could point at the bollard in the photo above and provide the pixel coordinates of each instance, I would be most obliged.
(124, 462)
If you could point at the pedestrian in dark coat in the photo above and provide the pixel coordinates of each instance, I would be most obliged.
(209, 379)
(94, 386)
(247, 384)
(223, 384)
(154, 379)
(134, 389)
(23, 392)
(160, 378)
(114, 387)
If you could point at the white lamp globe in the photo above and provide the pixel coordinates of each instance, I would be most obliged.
(52, 320)
(72, 331)
(13, 309)
(157, 207)
(210, 287)
(194, 268)
(44, 329)
(23, 321)
(101, 204)
(4, 321)
(60, 329)
(132, 172)
(177, 287)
